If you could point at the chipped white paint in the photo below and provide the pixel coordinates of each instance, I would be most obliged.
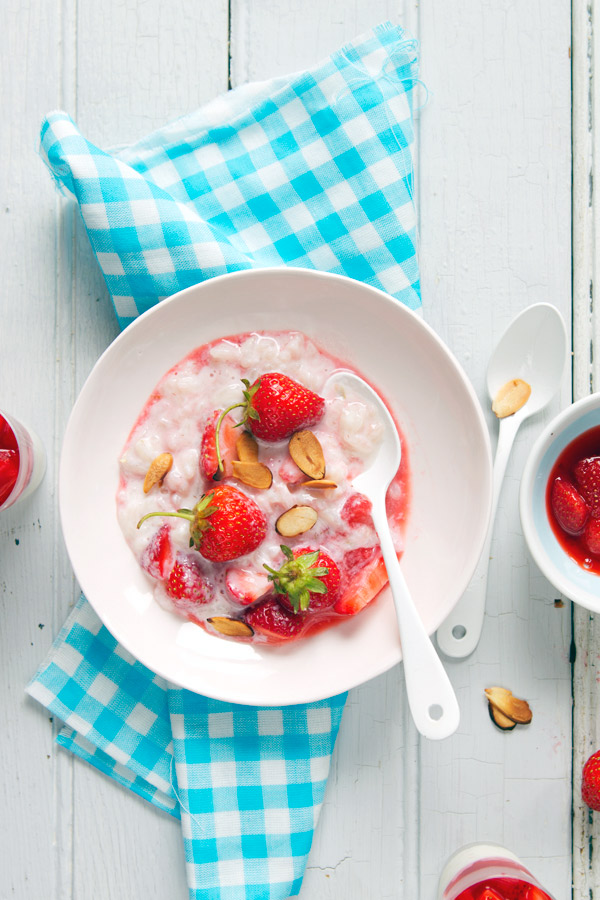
(494, 194)
(586, 379)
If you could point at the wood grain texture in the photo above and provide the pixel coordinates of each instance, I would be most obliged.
(586, 380)
(493, 170)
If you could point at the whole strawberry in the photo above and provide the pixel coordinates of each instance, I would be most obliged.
(587, 475)
(277, 406)
(274, 407)
(568, 506)
(308, 580)
(590, 782)
(224, 524)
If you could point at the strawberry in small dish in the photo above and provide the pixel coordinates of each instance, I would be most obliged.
(573, 499)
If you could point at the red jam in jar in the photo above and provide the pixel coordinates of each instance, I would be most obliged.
(573, 500)
(503, 889)
(9, 460)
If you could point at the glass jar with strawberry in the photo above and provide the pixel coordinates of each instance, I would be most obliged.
(22, 461)
(488, 872)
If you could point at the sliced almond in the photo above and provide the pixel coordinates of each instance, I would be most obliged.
(504, 701)
(254, 474)
(499, 719)
(231, 627)
(511, 397)
(246, 447)
(321, 484)
(157, 471)
(296, 520)
(307, 453)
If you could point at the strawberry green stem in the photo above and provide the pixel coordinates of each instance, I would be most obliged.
(180, 514)
(218, 474)
(249, 413)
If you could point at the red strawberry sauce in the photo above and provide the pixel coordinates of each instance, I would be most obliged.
(584, 447)
(9, 460)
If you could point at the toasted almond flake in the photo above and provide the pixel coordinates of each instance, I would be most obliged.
(231, 627)
(511, 397)
(307, 453)
(322, 484)
(296, 520)
(246, 447)
(157, 471)
(504, 701)
(499, 719)
(254, 474)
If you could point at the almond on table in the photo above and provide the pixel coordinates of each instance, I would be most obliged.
(508, 705)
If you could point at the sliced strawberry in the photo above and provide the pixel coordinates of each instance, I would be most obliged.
(246, 586)
(9, 471)
(568, 506)
(271, 619)
(587, 475)
(290, 473)
(592, 536)
(356, 560)
(489, 894)
(187, 583)
(536, 894)
(157, 558)
(228, 435)
(363, 586)
(357, 510)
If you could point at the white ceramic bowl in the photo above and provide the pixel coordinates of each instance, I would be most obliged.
(446, 439)
(559, 568)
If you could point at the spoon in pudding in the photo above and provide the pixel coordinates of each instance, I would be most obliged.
(532, 351)
(431, 697)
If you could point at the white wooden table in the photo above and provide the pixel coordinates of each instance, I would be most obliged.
(494, 188)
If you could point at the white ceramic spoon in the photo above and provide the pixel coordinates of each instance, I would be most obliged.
(431, 697)
(534, 348)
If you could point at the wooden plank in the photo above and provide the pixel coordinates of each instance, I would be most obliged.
(586, 379)
(495, 237)
(490, 170)
(138, 66)
(35, 832)
(495, 225)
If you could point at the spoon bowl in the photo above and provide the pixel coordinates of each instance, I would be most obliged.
(431, 698)
(533, 348)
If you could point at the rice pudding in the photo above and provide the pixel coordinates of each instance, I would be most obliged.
(236, 496)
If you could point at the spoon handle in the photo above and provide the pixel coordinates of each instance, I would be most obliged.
(459, 634)
(431, 697)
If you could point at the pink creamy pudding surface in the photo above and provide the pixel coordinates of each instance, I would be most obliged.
(174, 419)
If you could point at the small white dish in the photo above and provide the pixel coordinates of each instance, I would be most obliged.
(446, 440)
(558, 567)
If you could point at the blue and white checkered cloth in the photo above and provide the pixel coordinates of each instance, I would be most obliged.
(311, 170)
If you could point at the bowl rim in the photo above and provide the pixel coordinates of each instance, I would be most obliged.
(451, 360)
(551, 433)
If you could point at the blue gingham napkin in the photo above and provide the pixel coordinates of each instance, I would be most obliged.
(311, 170)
